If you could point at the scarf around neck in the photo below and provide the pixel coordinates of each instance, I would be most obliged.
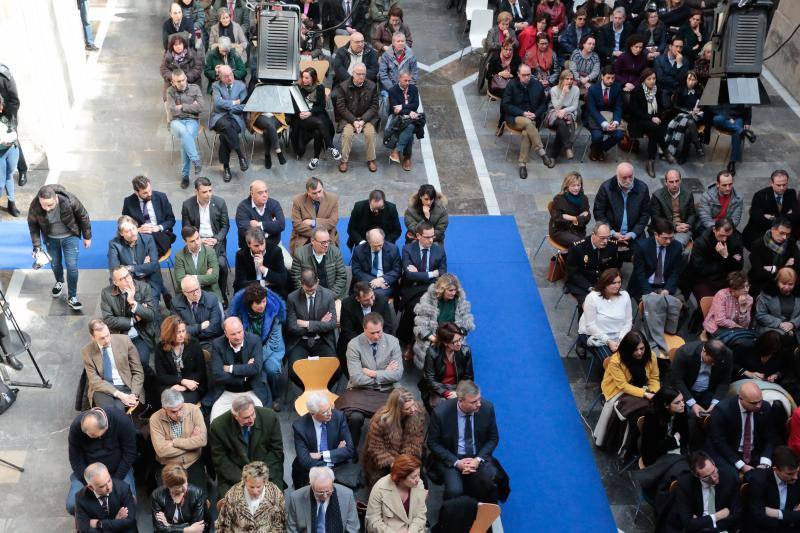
(777, 249)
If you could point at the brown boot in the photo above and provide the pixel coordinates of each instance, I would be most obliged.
(406, 163)
(395, 156)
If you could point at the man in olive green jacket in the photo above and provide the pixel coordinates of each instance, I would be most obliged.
(324, 259)
(205, 266)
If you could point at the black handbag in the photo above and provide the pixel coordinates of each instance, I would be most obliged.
(7, 397)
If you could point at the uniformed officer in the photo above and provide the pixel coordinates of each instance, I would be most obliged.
(588, 258)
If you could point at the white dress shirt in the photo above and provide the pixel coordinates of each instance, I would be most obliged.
(205, 221)
(260, 211)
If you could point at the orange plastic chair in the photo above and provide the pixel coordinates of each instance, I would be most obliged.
(315, 375)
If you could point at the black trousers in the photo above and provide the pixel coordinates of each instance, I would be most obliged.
(480, 485)
(224, 269)
(228, 130)
(106, 401)
(655, 138)
(562, 138)
(22, 165)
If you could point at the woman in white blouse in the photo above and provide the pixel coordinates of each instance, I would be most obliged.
(607, 315)
(563, 114)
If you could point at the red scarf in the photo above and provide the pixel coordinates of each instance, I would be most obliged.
(541, 60)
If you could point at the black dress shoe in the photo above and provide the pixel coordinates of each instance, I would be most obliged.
(243, 166)
(12, 209)
(226, 174)
(731, 167)
(13, 362)
(281, 158)
(184, 182)
(650, 168)
(523, 172)
(750, 136)
(267, 161)
(22, 179)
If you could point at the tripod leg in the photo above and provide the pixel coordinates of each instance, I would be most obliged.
(11, 465)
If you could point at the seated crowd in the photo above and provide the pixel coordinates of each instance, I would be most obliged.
(185, 394)
(633, 72)
(708, 415)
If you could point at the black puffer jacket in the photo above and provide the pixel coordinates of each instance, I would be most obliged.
(433, 372)
(192, 510)
(73, 215)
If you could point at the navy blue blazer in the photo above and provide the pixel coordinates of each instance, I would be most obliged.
(644, 266)
(396, 98)
(595, 104)
(272, 222)
(726, 431)
(608, 206)
(443, 432)
(605, 40)
(244, 376)
(87, 507)
(163, 209)
(417, 282)
(518, 98)
(119, 253)
(361, 263)
(669, 76)
(305, 442)
(208, 308)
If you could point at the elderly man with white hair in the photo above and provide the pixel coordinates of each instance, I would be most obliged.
(236, 361)
(322, 505)
(200, 310)
(178, 434)
(138, 252)
(105, 504)
(321, 438)
(356, 112)
(623, 202)
(227, 117)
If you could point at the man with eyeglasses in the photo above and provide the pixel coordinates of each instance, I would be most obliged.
(322, 505)
(573, 33)
(324, 259)
(197, 259)
(128, 309)
(774, 494)
(200, 310)
(321, 438)
(105, 504)
(773, 250)
(706, 499)
(587, 258)
(741, 436)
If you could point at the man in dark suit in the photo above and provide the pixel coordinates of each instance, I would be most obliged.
(138, 252)
(236, 363)
(200, 310)
(128, 308)
(105, 504)
(587, 258)
(310, 322)
(423, 262)
(362, 302)
(769, 203)
(774, 494)
(604, 114)
(611, 37)
(741, 435)
(716, 253)
(461, 438)
(656, 262)
(321, 438)
(774, 250)
(104, 436)
(520, 10)
(670, 69)
(524, 106)
(702, 372)
(377, 262)
(152, 211)
(209, 214)
(623, 202)
(675, 204)
(706, 499)
(260, 262)
(243, 434)
(375, 212)
(260, 211)
(340, 13)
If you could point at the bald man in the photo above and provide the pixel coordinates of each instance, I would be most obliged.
(347, 57)
(741, 435)
(237, 366)
(377, 262)
(200, 310)
(227, 118)
(260, 211)
(623, 202)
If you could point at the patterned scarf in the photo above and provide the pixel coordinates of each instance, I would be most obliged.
(774, 247)
(650, 96)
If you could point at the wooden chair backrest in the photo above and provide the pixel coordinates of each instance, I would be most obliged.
(705, 304)
(487, 514)
(673, 343)
(340, 41)
(315, 374)
(320, 65)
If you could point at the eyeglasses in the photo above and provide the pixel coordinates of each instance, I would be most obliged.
(191, 291)
(706, 479)
(323, 243)
(323, 492)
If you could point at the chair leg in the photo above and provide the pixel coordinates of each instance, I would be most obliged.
(213, 145)
(630, 464)
(572, 320)
(714, 149)
(559, 299)
(539, 247)
(172, 149)
(586, 147)
(572, 346)
(589, 368)
(594, 404)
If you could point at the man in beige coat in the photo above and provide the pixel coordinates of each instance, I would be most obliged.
(178, 434)
(113, 369)
(312, 209)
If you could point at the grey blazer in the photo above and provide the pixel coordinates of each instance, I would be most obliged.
(359, 357)
(117, 315)
(300, 518)
(768, 313)
(296, 308)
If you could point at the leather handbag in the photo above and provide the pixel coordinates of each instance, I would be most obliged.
(557, 268)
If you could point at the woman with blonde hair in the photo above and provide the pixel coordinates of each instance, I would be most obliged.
(397, 501)
(569, 212)
(563, 114)
(500, 32)
(253, 505)
(179, 361)
(396, 428)
(444, 301)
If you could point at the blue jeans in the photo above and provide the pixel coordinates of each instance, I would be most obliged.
(68, 247)
(735, 128)
(186, 130)
(76, 484)
(87, 27)
(8, 164)
(613, 138)
(274, 351)
(405, 142)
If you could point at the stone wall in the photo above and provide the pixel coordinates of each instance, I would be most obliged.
(784, 65)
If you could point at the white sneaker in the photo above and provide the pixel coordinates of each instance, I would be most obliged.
(58, 288)
(313, 164)
(74, 303)
(335, 153)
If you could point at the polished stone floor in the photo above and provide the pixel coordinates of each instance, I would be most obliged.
(121, 132)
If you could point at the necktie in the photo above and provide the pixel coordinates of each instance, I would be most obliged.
(145, 213)
(712, 500)
(246, 434)
(425, 259)
(104, 504)
(374, 349)
(605, 96)
(347, 8)
(658, 279)
(310, 305)
(316, 208)
(320, 512)
(516, 9)
(194, 309)
(323, 437)
(779, 200)
(469, 439)
(107, 365)
(747, 441)
(374, 263)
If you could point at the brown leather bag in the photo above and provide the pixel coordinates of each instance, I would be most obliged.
(557, 268)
